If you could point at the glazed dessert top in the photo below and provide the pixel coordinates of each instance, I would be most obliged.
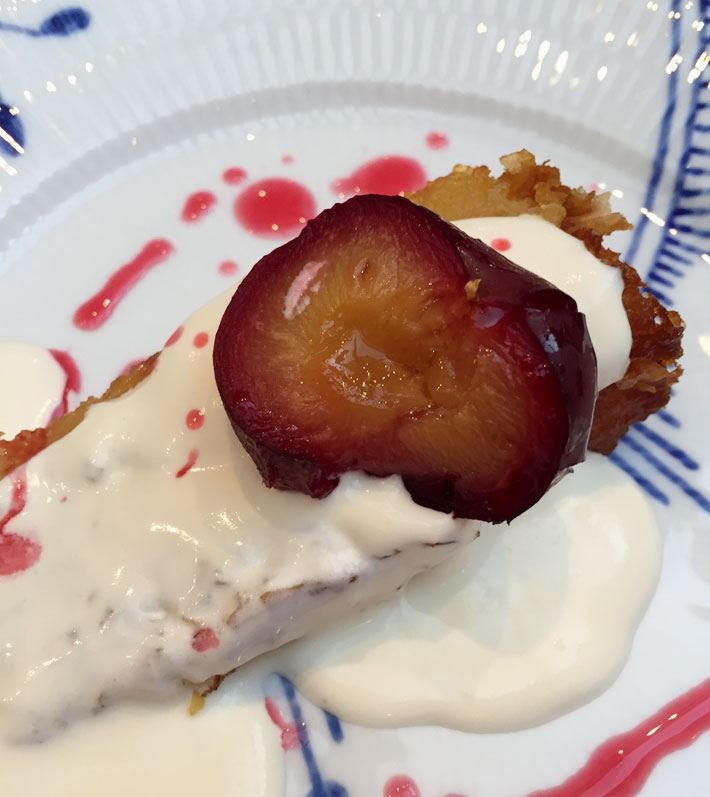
(132, 546)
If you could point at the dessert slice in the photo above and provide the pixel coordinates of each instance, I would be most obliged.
(162, 557)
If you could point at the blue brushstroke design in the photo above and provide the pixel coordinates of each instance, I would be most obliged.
(664, 470)
(644, 483)
(676, 257)
(64, 22)
(663, 138)
(653, 277)
(335, 726)
(672, 246)
(666, 417)
(12, 127)
(677, 453)
(676, 272)
(319, 787)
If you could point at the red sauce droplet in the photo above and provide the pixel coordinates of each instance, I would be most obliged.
(131, 364)
(63, 499)
(391, 174)
(287, 159)
(95, 312)
(17, 553)
(274, 207)
(234, 176)
(200, 340)
(437, 140)
(400, 786)
(195, 419)
(197, 206)
(204, 639)
(189, 464)
(289, 730)
(227, 267)
(175, 337)
(72, 380)
(621, 766)
(501, 244)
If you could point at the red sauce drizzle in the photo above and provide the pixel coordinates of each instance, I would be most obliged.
(72, 380)
(189, 464)
(401, 786)
(200, 340)
(621, 766)
(95, 312)
(194, 419)
(391, 174)
(197, 206)
(17, 553)
(501, 244)
(287, 159)
(289, 730)
(234, 175)
(274, 207)
(175, 337)
(227, 267)
(437, 140)
(204, 639)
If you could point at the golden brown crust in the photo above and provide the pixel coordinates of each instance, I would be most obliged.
(523, 187)
(527, 187)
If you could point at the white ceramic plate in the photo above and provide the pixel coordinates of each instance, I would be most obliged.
(113, 113)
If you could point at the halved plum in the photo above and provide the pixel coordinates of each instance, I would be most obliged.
(386, 340)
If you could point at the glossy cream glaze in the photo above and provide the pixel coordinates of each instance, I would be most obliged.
(141, 565)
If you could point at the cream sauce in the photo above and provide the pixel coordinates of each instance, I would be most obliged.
(138, 578)
(32, 383)
(525, 623)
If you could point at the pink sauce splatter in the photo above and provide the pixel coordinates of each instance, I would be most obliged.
(194, 419)
(95, 312)
(204, 639)
(234, 176)
(501, 244)
(401, 786)
(189, 464)
(289, 730)
(391, 174)
(287, 159)
(197, 206)
(175, 337)
(275, 207)
(131, 364)
(72, 380)
(17, 553)
(437, 140)
(227, 267)
(200, 340)
(621, 766)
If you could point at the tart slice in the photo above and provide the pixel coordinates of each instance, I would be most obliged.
(382, 341)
